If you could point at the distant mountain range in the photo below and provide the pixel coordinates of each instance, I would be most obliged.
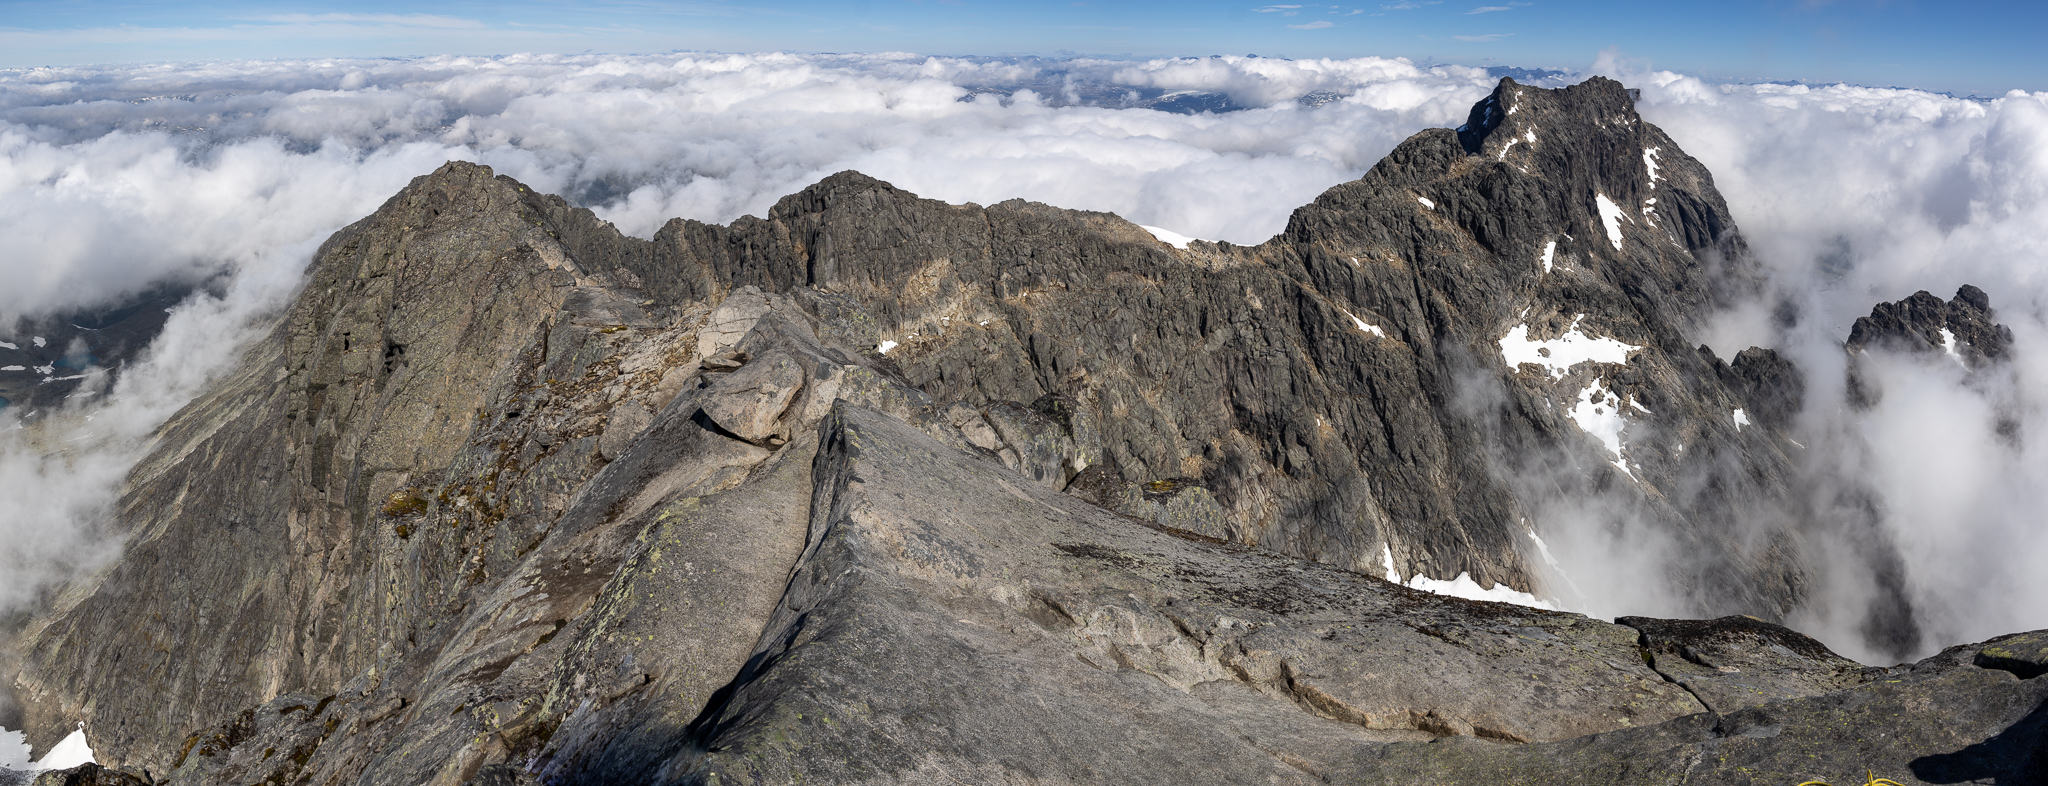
(1057, 87)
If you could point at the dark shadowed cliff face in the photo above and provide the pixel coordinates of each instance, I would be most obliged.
(508, 495)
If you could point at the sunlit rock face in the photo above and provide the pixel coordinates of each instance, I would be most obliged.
(876, 487)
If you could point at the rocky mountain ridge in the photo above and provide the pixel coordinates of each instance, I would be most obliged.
(882, 489)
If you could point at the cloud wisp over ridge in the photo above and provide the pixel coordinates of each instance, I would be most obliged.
(118, 177)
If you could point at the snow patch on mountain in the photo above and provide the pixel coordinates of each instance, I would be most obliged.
(67, 753)
(1611, 217)
(1362, 325)
(1560, 354)
(1465, 587)
(1169, 237)
(1599, 413)
(1948, 345)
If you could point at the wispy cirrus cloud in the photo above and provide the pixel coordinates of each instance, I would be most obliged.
(1487, 9)
(1480, 38)
(398, 20)
(56, 44)
(1316, 25)
(1295, 10)
(1409, 5)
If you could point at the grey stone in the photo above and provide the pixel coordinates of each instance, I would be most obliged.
(1941, 726)
(924, 563)
(2023, 654)
(90, 775)
(731, 320)
(1735, 663)
(625, 422)
(750, 402)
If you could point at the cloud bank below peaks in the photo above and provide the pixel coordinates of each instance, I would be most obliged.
(137, 173)
(1852, 196)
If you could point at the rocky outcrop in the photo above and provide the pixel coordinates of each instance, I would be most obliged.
(1963, 327)
(878, 488)
(272, 532)
(89, 775)
(1773, 389)
(1963, 330)
(1734, 663)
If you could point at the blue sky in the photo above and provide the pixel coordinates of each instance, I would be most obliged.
(1980, 47)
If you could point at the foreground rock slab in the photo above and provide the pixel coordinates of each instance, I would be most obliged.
(950, 622)
(950, 618)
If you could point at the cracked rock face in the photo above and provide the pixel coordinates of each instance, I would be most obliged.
(881, 489)
(1734, 663)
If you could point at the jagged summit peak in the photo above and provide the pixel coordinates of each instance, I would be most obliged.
(1598, 101)
(462, 175)
(845, 184)
(1587, 138)
(1963, 327)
